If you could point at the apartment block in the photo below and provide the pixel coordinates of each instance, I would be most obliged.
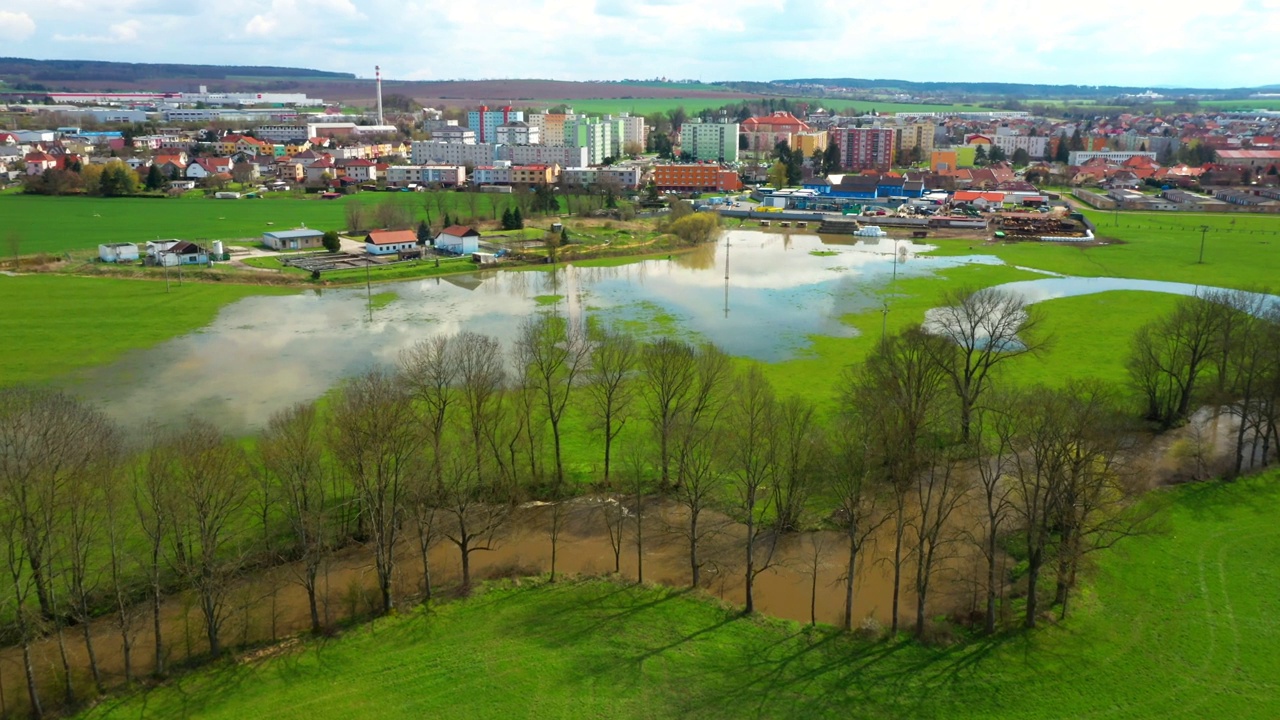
(715, 142)
(435, 152)
(626, 176)
(695, 178)
(402, 175)
(864, 148)
(485, 121)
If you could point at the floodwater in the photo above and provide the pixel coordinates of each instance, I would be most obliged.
(1034, 291)
(271, 605)
(264, 353)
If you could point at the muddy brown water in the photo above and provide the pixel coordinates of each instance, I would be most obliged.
(271, 605)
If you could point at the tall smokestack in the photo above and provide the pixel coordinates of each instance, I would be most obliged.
(377, 72)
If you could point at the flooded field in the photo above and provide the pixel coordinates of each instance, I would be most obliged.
(265, 353)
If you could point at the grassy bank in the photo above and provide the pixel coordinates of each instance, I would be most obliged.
(54, 325)
(1182, 624)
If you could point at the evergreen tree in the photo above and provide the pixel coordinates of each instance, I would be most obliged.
(507, 222)
(424, 232)
(564, 236)
(517, 220)
(980, 156)
(155, 180)
(831, 158)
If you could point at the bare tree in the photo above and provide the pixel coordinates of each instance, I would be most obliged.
(356, 214)
(291, 451)
(667, 375)
(480, 377)
(557, 353)
(476, 506)
(1038, 468)
(797, 457)
(1169, 355)
(151, 487)
(986, 328)
(850, 474)
(698, 439)
(817, 548)
(751, 458)
(27, 620)
(939, 494)
(117, 534)
(376, 440)
(611, 387)
(209, 494)
(992, 444)
(1093, 506)
(902, 386)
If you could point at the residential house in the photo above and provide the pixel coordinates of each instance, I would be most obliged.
(359, 170)
(38, 162)
(170, 253)
(390, 242)
(206, 167)
(458, 240)
(320, 171)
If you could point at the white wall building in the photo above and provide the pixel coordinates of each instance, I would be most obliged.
(544, 155)
(1079, 157)
(627, 176)
(434, 152)
(281, 133)
(403, 175)
(1035, 146)
(517, 133)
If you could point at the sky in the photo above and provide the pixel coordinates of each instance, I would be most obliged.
(1225, 43)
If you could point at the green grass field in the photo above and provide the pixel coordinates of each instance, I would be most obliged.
(1183, 624)
(60, 224)
(54, 325)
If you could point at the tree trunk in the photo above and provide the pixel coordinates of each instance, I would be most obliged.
(126, 649)
(93, 656)
(466, 565)
(68, 692)
(848, 582)
(989, 624)
(312, 605)
(33, 695)
(211, 630)
(1034, 560)
(608, 446)
(897, 571)
(693, 551)
(751, 560)
(639, 543)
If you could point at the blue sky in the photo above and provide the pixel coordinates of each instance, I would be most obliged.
(1217, 44)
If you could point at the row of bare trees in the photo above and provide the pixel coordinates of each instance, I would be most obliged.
(1222, 348)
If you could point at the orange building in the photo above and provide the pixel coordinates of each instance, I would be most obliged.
(941, 160)
(695, 178)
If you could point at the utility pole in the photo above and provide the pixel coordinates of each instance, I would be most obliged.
(368, 286)
(1203, 229)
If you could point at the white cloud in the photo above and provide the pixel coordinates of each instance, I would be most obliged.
(1090, 43)
(126, 32)
(16, 26)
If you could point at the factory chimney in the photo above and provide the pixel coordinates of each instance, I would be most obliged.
(377, 71)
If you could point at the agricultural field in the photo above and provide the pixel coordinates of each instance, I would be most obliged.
(1180, 624)
(694, 105)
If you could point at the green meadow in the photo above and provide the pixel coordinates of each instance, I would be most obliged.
(54, 325)
(1180, 624)
(60, 224)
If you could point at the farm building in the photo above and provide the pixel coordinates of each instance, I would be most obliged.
(297, 239)
(458, 240)
(390, 242)
(118, 252)
(170, 253)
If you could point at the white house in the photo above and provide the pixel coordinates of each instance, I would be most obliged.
(118, 252)
(170, 253)
(458, 239)
(204, 167)
(390, 242)
(361, 170)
